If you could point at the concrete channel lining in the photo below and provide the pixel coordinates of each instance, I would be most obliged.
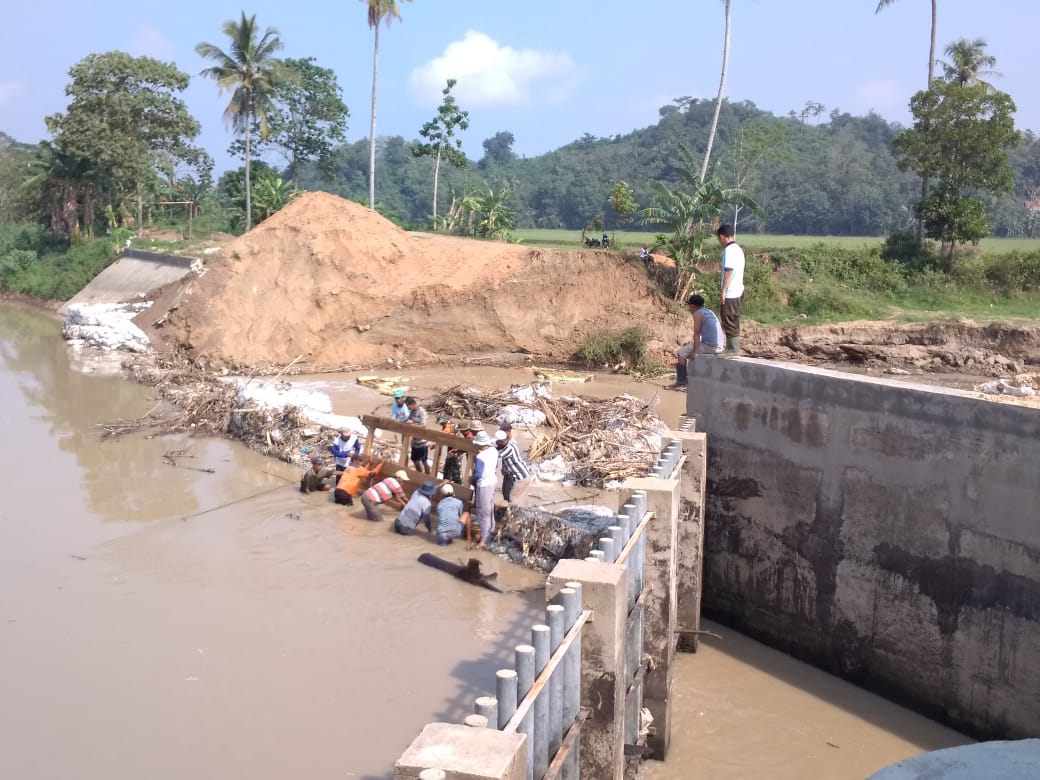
(134, 275)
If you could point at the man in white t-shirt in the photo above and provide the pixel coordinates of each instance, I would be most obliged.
(732, 288)
(484, 482)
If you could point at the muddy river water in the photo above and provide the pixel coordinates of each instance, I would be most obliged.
(168, 622)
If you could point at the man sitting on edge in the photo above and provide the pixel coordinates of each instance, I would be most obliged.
(707, 340)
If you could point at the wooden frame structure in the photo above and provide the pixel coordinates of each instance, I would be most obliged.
(439, 441)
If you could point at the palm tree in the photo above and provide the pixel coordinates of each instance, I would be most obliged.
(251, 73)
(881, 6)
(378, 11)
(968, 61)
(718, 98)
(690, 215)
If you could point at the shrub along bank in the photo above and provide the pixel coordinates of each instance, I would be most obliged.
(828, 283)
(32, 263)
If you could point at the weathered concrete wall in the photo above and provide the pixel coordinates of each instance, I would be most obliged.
(887, 532)
(135, 274)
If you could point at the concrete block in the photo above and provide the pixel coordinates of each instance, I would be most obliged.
(604, 590)
(464, 753)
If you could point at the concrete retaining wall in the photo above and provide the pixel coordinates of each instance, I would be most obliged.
(135, 274)
(887, 532)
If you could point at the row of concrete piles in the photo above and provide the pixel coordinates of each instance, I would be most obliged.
(665, 591)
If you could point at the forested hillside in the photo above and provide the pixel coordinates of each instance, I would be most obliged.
(817, 175)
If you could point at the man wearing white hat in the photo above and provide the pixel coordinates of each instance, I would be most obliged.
(484, 480)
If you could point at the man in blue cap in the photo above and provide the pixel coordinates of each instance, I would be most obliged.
(399, 409)
(416, 511)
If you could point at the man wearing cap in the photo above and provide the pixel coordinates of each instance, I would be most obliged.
(316, 479)
(345, 448)
(707, 340)
(516, 475)
(452, 519)
(389, 491)
(399, 409)
(416, 511)
(484, 479)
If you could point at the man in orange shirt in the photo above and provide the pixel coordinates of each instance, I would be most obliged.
(354, 478)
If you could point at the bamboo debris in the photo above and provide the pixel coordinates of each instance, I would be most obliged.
(603, 439)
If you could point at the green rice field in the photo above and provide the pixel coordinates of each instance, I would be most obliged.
(632, 240)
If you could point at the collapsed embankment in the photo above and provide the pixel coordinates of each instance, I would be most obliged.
(337, 284)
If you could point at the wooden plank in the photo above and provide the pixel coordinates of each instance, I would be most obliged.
(630, 545)
(570, 741)
(437, 439)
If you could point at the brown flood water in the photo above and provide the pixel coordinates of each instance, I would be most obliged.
(277, 637)
(150, 627)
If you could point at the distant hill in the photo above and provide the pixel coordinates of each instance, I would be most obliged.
(832, 177)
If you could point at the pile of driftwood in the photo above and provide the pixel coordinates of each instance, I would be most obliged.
(193, 400)
(538, 539)
(602, 439)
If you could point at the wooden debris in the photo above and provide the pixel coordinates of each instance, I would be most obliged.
(604, 438)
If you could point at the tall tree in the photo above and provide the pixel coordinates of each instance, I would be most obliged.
(498, 149)
(251, 73)
(441, 143)
(623, 203)
(719, 98)
(961, 136)
(378, 11)
(881, 6)
(308, 118)
(124, 121)
(967, 61)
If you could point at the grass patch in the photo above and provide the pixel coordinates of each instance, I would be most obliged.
(615, 347)
(633, 239)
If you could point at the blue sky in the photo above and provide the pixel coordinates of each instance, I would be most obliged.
(546, 71)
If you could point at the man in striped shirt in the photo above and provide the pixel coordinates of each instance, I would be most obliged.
(389, 491)
(516, 475)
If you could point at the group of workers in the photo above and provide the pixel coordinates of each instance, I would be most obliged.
(433, 504)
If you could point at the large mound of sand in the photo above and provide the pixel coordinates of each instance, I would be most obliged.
(333, 281)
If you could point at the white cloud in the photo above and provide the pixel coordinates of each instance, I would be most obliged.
(489, 73)
(884, 97)
(9, 90)
(149, 42)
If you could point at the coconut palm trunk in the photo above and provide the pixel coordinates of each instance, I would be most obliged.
(249, 186)
(719, 98)
(436, 176)
(372, 126)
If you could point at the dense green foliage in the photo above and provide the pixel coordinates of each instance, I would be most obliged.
(32, 262)
(839, 177)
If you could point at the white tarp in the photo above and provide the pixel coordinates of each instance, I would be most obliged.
(315, 406)
(106, 326)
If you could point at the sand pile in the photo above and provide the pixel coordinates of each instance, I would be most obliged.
(332, 281)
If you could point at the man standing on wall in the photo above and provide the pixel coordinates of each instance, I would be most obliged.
(732, 288)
